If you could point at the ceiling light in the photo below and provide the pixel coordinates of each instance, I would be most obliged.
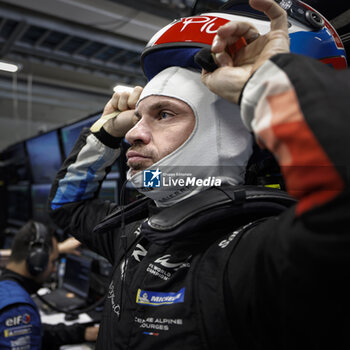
(122, 88)
(9, 67)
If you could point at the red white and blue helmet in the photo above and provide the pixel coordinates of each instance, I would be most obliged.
(177, 43)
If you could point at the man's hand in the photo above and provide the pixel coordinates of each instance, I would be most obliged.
(229, 79)
(91, 333)
(118, 115)
(69, 246)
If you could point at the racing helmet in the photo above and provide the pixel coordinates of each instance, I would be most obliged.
(177, 43)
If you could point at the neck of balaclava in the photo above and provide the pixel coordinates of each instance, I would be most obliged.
(174, 185)
(171, 196)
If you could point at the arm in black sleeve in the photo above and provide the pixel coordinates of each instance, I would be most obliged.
(286, 279)
(55, 336)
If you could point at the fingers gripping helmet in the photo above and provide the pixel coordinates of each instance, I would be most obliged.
(177, 43)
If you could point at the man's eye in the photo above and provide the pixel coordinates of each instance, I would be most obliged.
(164, 115)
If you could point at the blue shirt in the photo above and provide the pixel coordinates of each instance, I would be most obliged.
(20, 324)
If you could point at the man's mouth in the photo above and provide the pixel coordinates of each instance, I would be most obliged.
(138, 161)
(134, 156)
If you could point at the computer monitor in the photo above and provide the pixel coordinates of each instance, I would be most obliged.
(18, 204)
(115, 173)
(109, 191)
(70, 133)
(8, 241)
(39, 195)
(44, 157)
(77, 275)
(17, 167)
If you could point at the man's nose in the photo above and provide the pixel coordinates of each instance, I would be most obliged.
(140, 133)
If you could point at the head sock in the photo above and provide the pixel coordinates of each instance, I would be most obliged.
(216, 152)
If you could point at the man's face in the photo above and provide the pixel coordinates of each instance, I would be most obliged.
(51, 266)
(164, 124)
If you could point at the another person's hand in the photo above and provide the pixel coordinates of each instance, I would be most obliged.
(5, 253)
(123, 103)
(69, 246)
(91, 333)
(229, 79)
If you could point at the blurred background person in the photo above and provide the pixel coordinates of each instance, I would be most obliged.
(33, 259)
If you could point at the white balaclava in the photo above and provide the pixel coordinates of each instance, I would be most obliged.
(217, 151)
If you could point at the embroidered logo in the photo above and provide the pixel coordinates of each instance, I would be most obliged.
(139, 252)
(111, 296)
(17, 320)
(17, 331)
(224, 243)
(164, 261)
(160, 298)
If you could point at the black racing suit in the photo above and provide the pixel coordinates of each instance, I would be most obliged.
(212, 280)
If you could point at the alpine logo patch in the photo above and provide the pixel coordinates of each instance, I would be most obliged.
(17, 331)
(158, 298)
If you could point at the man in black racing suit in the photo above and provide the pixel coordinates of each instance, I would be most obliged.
(206, 269)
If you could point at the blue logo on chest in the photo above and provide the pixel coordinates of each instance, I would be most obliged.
(159, 298)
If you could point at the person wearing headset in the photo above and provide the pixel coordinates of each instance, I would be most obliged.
(33, 259)
(229, 266)
(68, 246)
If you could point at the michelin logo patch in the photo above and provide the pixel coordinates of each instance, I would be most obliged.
(158, 298)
